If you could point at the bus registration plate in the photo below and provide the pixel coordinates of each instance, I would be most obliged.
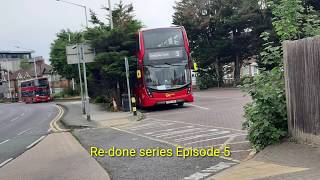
(171, 102)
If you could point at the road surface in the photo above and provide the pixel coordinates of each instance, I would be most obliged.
(214, 119)
(21, 126)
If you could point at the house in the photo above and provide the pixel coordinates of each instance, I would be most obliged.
(10, 68)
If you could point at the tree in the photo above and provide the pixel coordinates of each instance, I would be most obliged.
(223, 31)
(58, 57)
(107, 72)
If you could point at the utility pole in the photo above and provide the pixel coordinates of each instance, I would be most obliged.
(9, 83)
(85, 83)
(110, 14)
(80, 79)
(128, 82)
(35, 67)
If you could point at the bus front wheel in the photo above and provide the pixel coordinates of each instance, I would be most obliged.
(180, 104)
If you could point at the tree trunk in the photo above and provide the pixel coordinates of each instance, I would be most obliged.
(237, 67)
(219, 72)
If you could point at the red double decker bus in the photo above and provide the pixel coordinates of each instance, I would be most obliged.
(35, 90)
(164, 67)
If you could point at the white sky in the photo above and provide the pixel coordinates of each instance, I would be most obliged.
(33, 24)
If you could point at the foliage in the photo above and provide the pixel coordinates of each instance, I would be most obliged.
(214, 26)
(58, 57)
(24, 64)
(100, 99)
(207, 78)
(266, 116)
(112, 45)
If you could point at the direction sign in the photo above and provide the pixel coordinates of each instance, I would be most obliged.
(73, 53)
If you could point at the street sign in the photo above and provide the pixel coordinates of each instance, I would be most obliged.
(73, 54)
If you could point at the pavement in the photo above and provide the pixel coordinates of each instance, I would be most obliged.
(286, 161)
(99, 116)
(58, 156)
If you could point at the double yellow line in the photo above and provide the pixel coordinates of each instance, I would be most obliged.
(54, 123)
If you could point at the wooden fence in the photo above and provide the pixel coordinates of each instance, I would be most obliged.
(302, 74)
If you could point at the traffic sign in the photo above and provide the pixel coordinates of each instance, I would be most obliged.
(73, 54)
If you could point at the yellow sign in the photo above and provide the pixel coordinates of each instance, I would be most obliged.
(195, 66)
(138, 74)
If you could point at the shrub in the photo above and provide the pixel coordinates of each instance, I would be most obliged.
(100, 99)
(206, 79)
(266, 115)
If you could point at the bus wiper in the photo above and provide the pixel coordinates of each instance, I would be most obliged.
(153, 66)
(174, 64)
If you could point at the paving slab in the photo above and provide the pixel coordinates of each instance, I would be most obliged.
(58, 156)
(288, 160)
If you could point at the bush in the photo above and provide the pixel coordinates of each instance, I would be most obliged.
(266, 116)
(100, 99)
(206, 80)
(70, 92)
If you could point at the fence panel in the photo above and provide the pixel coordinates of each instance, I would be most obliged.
(302, 74)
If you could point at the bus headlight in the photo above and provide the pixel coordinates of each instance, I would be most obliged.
(149, 93)
(189, 89)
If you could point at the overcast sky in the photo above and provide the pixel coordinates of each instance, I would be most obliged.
(33, 24)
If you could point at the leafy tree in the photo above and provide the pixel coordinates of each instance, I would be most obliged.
(215, 26)
(58, 57)
(112, 45)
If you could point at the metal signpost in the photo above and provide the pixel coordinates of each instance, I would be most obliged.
(128, 82)
(75, 55)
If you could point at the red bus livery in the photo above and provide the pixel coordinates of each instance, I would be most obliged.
(164, 67)
(35, 90)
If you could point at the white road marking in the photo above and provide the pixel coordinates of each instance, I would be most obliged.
(24, 131)
(243, 131)
(221, 137)
(241, 150)
(205, 108)
(172, 113)
(35, 142)
(49, 114)
(192, 133)
(4, 141)
(167, 130)
(5, 162)
(14, 119)
(147, 124)
(153, 125)
(177, 132)
(22, 114)
(49, 130)
(206, 172)
(201, 135)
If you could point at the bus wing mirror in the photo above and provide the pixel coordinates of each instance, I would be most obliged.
(138, 74)
(195, 67)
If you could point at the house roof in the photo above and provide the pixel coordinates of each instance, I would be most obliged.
(22, 74)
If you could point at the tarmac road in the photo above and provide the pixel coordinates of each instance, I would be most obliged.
(22, 126)
(214, 119)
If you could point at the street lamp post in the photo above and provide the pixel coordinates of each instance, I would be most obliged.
(110, 14)
(85, 9)
(87, 104)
